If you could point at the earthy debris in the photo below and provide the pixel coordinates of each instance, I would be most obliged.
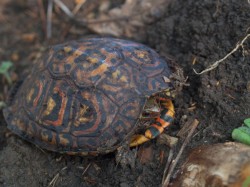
(128, 19)
(170, 169)
(145, 154)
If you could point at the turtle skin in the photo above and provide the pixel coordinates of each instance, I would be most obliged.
(86, 96)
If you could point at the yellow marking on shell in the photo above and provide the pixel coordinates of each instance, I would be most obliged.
(140, 54)
(100, 70)
(67, 49)
(115, 74)
(71, 58)
(63, 141)
(45, 138)
(92, 60)
(123, 79)
(79, 51)
(82, 112)
(84, 120)
(50, 105)
(108, 87)
(21, 126)
(29, 96)
(86, 95)
(81, 120)
(77, 123)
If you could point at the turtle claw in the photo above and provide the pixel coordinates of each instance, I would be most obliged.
(137, 140)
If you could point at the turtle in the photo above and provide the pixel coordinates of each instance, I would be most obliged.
(85, 97)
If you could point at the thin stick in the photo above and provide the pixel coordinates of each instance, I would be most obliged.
(55, 178)
(49, 19)
(78, 6)
(42, 15)
(97, 21)
(170, 156)
(215, 64)
(64, 8)
(174, 162)
(83, 173)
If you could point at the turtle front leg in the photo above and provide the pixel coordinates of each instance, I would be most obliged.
(157, 127)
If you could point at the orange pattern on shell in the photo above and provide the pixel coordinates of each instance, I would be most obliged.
(59, 121)
(117, 75)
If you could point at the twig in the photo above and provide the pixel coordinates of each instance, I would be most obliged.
(55, 178)
(40, 149)
(86, 169)
(78, 6)
(215, 64)
(49, 19)
(98, 21)
(42, 14)
(174, 162)
(170, 156)
(64, 8)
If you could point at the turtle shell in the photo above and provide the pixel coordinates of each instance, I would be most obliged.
(86, 96)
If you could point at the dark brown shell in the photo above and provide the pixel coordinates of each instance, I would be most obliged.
(86, 96)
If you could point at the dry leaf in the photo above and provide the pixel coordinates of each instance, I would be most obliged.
(129, 19)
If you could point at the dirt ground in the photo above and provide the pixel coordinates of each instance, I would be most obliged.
(194, 33)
